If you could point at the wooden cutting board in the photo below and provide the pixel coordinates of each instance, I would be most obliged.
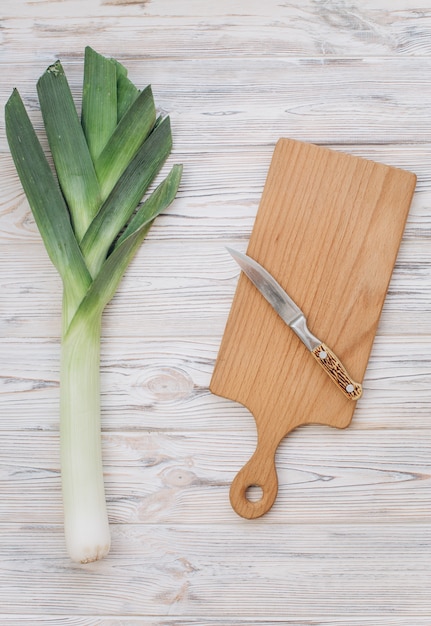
(328, 228)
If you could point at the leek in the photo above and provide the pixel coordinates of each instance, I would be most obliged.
(92, 222)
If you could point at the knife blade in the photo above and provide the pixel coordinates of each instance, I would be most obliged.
(293, 316)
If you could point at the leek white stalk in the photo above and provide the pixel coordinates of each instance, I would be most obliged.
(86, 521)
(92, 223)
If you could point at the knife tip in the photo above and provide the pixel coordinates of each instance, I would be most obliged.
(233, 252)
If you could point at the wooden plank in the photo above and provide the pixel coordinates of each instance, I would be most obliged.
(351, 101)
(162, 383)
(224, 203)
(176, 478)
(246, 30)
(185, 620)
(159, 570)
(185, 288)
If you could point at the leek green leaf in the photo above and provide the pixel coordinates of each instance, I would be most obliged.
(45, 198)
(99, 100)
(157, 202)
(73, 163)
(133, 128)
(107, 280)
(125, 196)
(126, 94)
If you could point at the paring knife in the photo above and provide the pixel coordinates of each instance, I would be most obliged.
(292, 315)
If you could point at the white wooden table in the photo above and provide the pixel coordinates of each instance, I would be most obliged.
(348, 541)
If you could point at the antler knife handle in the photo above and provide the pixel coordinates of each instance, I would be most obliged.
(337, 372)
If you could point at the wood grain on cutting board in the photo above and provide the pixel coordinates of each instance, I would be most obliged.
(328, 228)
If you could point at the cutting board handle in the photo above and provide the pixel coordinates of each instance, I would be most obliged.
(259, 471)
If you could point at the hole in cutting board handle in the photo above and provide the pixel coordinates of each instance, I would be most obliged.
(254, 493)
(254, 488)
